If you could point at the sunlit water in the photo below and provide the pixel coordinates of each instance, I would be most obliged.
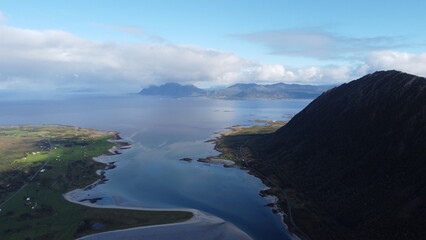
(161, 131)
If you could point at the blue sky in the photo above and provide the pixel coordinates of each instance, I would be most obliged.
(207, 43)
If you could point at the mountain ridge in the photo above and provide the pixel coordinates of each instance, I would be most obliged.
(239, 91)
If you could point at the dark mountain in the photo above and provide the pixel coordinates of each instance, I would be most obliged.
(239, 91)
(357, 154)
(173, 90)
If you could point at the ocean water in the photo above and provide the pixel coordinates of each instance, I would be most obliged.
(161, 131)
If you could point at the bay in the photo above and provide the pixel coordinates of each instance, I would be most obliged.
(162, 131)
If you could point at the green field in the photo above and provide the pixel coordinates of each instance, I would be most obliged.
(268, 127)
(49, 161)
(229, 143)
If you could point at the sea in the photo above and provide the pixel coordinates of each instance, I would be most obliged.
(161, 131)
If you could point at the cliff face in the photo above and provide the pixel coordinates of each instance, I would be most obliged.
(359, 153)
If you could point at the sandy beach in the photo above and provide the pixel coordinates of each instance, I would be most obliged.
(200, 226)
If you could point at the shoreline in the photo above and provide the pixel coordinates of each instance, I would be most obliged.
(242, 162)
(197, 224)
(66, 160)
(194, 227)
(114, 150)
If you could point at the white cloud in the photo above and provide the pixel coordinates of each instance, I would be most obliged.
(57, 59)
(402, 61)
(53, 58)
(31, 59)
(1, 17)
(273, 73)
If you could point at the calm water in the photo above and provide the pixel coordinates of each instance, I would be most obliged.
(161, 132)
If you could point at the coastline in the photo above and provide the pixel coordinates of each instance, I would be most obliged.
(114, 150)
(195, 227)
(200, 227)
(241, 158)
(68, 157)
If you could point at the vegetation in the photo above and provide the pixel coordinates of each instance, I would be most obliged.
(268, 127)
(40, 163)
(352, 163)
(234, 145)
(230, 142)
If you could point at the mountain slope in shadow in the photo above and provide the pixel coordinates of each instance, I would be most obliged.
(358, 153)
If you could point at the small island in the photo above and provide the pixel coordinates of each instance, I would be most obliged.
(39, 164)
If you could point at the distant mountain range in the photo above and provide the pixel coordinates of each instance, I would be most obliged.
(356, 155)
(239, 91)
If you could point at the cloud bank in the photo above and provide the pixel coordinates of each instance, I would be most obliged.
(318, 44)
(49, 60)
(406, 62)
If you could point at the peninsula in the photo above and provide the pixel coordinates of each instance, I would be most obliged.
(38, 164)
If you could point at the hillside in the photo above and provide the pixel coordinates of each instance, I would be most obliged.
(239, 91)
(356, 156)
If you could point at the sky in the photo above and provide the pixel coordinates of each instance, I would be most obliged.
(124, 46)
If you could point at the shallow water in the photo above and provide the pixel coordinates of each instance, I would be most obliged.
(161, 131)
